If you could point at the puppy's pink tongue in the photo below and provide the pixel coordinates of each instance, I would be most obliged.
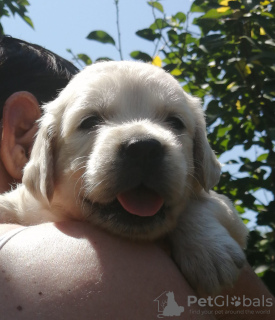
(140, 201)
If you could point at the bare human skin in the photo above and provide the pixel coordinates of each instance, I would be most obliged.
(73, 271)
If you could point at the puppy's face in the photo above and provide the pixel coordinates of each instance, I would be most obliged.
(122, 148)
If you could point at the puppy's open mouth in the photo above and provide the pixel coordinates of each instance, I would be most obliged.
(134, 213)
(141, 201)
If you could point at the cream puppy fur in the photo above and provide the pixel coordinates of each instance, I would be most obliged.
(125, 148)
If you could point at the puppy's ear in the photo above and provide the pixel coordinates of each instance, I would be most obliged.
(39, 172)
(207, 167)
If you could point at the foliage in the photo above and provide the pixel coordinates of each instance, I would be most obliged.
(237, 48)
(229, 64)
(13, 7)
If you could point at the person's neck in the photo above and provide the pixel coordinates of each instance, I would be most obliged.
(6, 180)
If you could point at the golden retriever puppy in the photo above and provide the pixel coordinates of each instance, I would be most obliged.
(125, 148)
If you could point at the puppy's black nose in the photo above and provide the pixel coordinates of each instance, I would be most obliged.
(143, 152)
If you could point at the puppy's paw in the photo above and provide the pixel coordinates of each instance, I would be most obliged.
(222, 269)
(211, 264)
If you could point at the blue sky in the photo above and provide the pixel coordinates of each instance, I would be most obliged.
(63, 24)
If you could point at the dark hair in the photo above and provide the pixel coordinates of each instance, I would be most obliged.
(29, 67)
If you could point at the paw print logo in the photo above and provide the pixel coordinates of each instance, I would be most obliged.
(236, 301)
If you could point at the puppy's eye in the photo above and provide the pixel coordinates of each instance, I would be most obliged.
(175, 123)
(90, 122)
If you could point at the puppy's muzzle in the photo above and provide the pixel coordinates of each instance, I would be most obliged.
(141, 158)
(139, 209)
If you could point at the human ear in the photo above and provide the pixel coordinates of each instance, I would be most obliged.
(20, 112)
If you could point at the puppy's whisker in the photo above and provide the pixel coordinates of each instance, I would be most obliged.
(77, 181)
(76, 170)
(79, 165)
(192, 191)
(80, 189)
(181, 135)
(78, 158)
(200, 163)
(78, 162)
(89, 188)
(193, 176)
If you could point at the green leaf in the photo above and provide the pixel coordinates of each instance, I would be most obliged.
(212, 41)
(176, 72)
(240, 209)
(231, 162)
(224, 144)
(214, 14)
(262, 157)
(104, 59)
(222, 131)
(5, 13)
(148, 34)
(245, 221)
(234, 5)
(195, 8)
(271, 133)
(139, 55)
(170, 67)
(213, 111)
(23, 2)
(101, 36)
(180, 16)
(206, 25)
(159, 24)
(156, 5)
(173, 36)
(245, 160)
(29, 21)
(1, 29)
(186, 88)
(86, 59)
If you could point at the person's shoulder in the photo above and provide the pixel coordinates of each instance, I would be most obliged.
(5, 227)
(73, 269)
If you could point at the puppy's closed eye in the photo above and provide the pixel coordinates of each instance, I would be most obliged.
(175, 123)
(91, 122)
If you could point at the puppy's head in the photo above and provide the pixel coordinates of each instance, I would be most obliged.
(124, 147)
